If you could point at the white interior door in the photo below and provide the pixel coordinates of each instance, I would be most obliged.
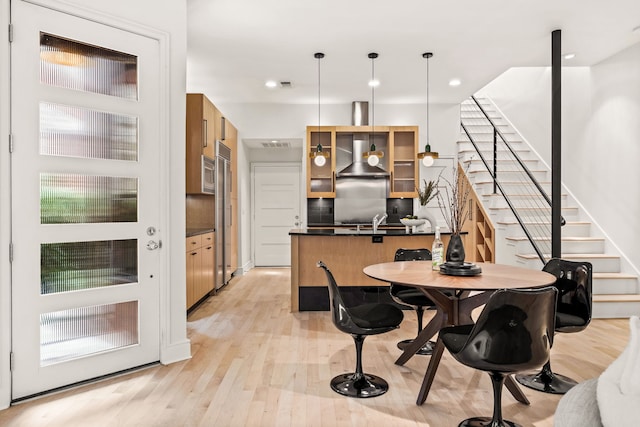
(276, 210)
(85, 199)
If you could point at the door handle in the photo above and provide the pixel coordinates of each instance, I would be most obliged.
(152, 245)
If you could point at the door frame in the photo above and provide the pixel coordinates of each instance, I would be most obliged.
(253, 193)
(174, 344)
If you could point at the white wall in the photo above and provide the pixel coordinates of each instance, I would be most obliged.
(600, 136)
(287, 121)
(169, 21)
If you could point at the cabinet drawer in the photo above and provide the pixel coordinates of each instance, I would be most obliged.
(194, 242)
(207, 239)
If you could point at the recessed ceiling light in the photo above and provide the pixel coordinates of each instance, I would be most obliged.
(455, 82)
(271, 83)
(569, 56)
(374, 83)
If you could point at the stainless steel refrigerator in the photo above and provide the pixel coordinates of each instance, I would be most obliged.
(223, 215)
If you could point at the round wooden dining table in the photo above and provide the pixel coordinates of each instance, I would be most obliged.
(455, 297)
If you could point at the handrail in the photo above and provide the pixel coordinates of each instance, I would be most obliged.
(518, 159)
(504, 194)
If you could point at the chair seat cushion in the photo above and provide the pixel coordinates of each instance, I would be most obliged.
(454, 337)
(566, 322)
(376, 316)
(413, 297)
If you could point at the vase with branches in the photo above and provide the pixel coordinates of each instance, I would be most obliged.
(453, 200)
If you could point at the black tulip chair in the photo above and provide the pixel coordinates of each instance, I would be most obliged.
(513, 333)
(360, 321)
(407, 295)
(573, 314)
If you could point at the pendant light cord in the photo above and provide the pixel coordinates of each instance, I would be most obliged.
(373, 87)
(427, 55)
(319, 56)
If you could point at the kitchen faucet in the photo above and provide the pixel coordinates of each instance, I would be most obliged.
(376, 222)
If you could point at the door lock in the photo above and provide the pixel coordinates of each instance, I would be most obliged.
(152, 245)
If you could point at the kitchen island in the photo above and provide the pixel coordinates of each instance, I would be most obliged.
(346, 251)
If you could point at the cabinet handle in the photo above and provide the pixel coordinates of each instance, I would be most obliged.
(333, 181)
(205, 129)
(393, 185)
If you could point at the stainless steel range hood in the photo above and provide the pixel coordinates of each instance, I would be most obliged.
(359, 167)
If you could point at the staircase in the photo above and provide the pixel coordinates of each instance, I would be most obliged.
(616, 289)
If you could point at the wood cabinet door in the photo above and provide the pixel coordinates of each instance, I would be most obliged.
(321, 179)
(210, 115)
(208, 264)
(403, 163)
(191, 280)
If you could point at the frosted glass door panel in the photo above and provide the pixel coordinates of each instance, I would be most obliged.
(82, 132)
(75, 266)
(76, 199)
(70, 334)
(79, 66)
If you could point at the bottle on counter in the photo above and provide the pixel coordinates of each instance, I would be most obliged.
(437, 251)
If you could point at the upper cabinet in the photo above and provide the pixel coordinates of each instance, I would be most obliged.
(398, 143)
(200, 138)
(321, 179)
(402, 159)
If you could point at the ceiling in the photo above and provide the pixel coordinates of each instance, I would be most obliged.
(234, 46)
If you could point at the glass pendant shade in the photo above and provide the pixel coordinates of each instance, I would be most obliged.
(427, 156)
(373, 156)
(319, 156)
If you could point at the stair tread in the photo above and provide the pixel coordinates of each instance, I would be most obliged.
(510, 182)
(614, 276)
(505, 171)
(568, 238)
(616, 298)
(514, 222)
(570, 256)
(532, 207)
(502, 222)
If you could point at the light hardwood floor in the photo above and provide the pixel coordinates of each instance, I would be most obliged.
(256, 364)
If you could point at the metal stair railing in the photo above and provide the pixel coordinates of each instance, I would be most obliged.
(523, 193)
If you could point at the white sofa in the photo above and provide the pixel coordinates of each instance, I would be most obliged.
(612, 399)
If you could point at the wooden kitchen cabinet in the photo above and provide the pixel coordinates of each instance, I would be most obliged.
(403, 165)
(201, 129)
(200, 262)
(399, 143)
(231, 140)
(321, 180)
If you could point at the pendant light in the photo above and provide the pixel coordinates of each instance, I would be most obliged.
(373, 156)
(319, 156)
(427, 155)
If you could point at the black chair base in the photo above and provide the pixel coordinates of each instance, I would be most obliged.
(425, 350)
(486, 422)
(354, 385)
(556, 384)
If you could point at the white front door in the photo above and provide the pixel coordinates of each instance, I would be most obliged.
(276, 210)
(85, 199)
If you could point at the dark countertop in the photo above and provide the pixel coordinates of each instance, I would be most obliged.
(196, 231)
(355, 232)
